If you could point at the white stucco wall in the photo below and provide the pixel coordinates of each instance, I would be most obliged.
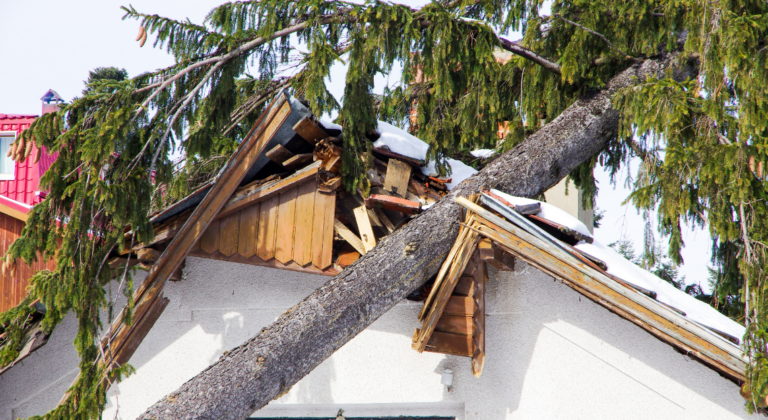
(550, 354)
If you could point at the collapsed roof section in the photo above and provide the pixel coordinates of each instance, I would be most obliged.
(561, 246)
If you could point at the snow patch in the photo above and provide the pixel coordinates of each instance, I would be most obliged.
(327, 123)
(482, 153)
(622, 268)
(403, 143)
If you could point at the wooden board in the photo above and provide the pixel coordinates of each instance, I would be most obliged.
(309, 131)
(305, 209)
(268, 228)
(298, 160)
(249, 230)
(322, 231)
(447, 343)
(228, 234)
(286, 222)
(349, 236)
(398, 175)
(279, 154)
(209, 242)
(460, 305)
(364, 227)
(478, 319)
(456, 324)
(465, 287)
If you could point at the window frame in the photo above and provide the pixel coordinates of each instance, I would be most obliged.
(9, 176)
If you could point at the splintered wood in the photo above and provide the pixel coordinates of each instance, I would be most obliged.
(453, 314)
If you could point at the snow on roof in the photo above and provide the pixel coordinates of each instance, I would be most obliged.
(482, 153)
(620, 267)
(327, 123)
(401, 142)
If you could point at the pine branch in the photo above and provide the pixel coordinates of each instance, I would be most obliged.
(599, 35)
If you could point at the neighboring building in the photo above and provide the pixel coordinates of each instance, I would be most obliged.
(590, 345)
(19, 191)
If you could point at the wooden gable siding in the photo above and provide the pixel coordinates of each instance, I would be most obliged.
(291, 230)
(13, 283)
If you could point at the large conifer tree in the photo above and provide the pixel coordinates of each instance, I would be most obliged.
(702, 139)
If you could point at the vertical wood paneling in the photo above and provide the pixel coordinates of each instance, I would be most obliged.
(286, 221)
(322, 231)
(305, 207)
(249, 228)
(268, 227)
(228, 234)
(6, 225)
(209, 242)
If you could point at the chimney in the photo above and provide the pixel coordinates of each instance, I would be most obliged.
(51, 101)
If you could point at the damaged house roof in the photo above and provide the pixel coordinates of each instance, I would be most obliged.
(278, 202)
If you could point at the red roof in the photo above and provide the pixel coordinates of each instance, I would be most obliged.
(17, 117)
(26, 183)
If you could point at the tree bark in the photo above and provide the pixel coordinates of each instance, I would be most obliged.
(267, 365)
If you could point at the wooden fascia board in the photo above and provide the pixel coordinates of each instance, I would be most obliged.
(223, 187)
(14, 209)
(630, 304)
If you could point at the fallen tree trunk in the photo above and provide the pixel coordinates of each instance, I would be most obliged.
(266, 366)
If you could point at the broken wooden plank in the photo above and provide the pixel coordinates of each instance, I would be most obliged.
(229, 228)
(393, 203)
(322, 231)
(286, 225)
(398, 175)
(443, 298)
(309, 131)
(384, 219)
(305, 210)
(349, 236)
(364, 227)
(298, 160)
(249, 230)
(268, 228)
(330, 185)
(279, 154)
(478, 319)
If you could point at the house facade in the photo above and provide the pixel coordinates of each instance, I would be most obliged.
(19, 191)
(550, 354)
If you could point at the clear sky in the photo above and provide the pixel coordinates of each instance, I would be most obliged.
(53, 44)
